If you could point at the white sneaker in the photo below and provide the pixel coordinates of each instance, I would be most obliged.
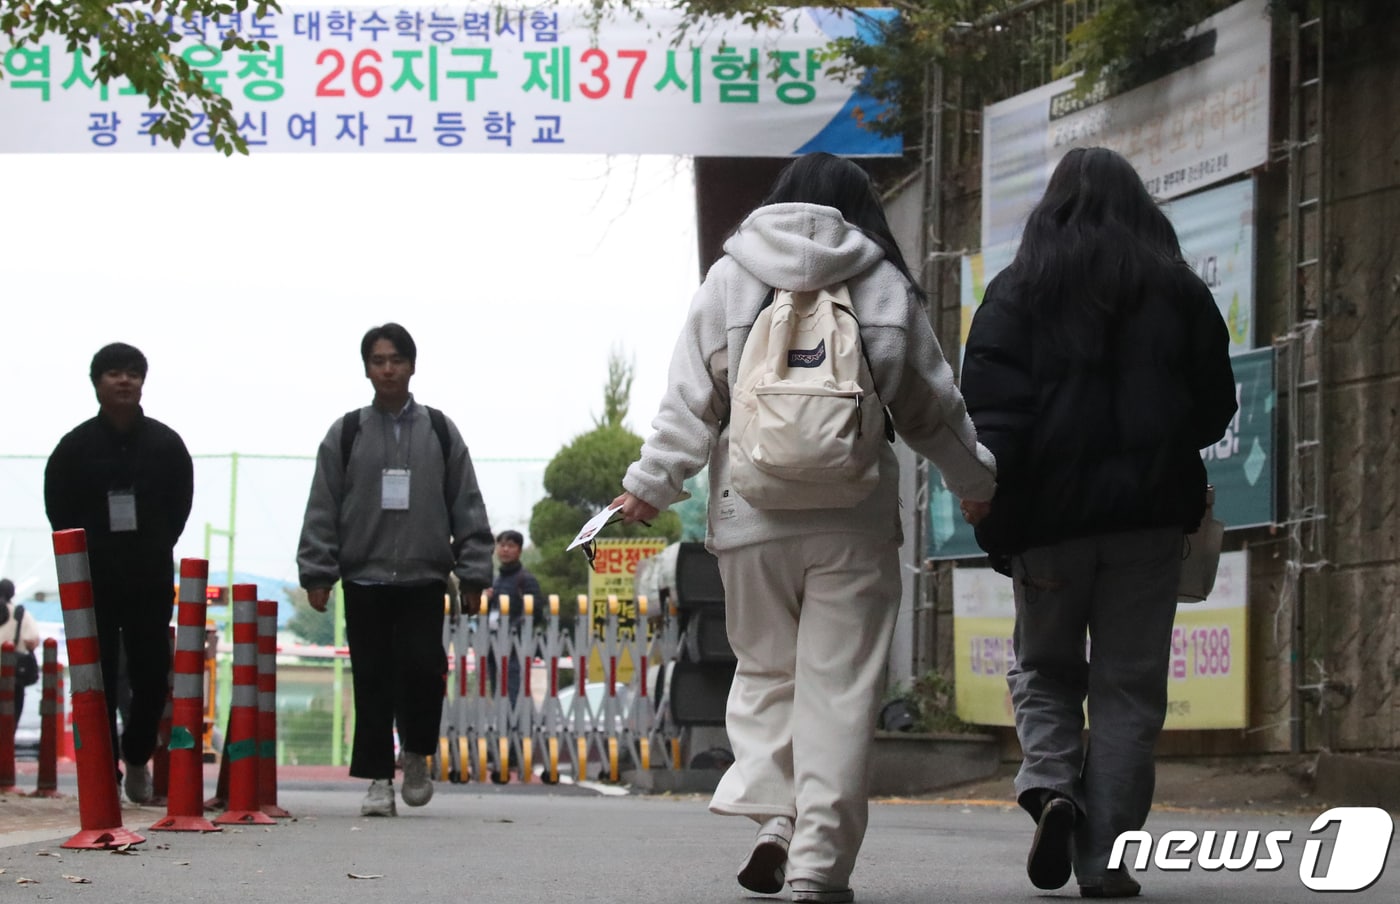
(809, 891)
(417, 787)
(380, 799)
(138, 782)
(763, 869)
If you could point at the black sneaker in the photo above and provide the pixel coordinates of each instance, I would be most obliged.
(1052, 852)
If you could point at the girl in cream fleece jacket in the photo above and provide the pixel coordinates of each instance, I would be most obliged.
(810, 596)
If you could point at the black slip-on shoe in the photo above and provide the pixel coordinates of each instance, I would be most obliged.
(1052, 853)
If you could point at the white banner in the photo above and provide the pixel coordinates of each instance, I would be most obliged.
(1201, 124)
(1216, 230)
(482, 80)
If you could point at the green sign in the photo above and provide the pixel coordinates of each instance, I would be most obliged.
(1241, 466)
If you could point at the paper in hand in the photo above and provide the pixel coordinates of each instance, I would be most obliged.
(595, 524)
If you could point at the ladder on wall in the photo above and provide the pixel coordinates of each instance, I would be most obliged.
(1300, 350)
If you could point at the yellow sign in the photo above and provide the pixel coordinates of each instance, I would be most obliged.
(614, 574)
(1206, 686)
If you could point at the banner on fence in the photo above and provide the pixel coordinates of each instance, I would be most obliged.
(1206, 686)
(614, 574)
(483, 79)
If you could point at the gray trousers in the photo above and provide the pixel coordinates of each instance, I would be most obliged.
(1121, 588)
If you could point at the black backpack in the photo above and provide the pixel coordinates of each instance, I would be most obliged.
(26, 663)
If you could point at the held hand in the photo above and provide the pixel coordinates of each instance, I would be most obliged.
(974, 512)
(318, 597)
(634, 509)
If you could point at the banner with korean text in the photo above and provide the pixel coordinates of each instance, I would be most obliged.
(614, 573)
(1206, 685)
(1205, 122)
(497, 79)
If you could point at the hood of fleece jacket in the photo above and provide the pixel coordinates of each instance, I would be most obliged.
(801, 247)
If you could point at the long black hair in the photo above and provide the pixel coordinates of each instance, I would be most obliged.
(822, 178)
(1096, 243)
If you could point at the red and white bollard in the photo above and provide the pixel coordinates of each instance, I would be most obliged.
(267, 709)
(184, 811)
(99, 806)
(241, 745)
(50, 724)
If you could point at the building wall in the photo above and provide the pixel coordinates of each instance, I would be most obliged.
(1350, 645)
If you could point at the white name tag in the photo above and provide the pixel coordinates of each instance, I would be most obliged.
(121, 511)
(393, 490)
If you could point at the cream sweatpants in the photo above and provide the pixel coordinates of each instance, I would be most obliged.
(810, 620)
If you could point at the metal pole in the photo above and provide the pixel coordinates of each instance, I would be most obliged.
(338, 679)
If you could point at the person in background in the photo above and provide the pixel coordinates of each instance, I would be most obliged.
(22, 632)
(514, 581)
(394, 509)
(1096, 367)
(128, 481)
(810, 596)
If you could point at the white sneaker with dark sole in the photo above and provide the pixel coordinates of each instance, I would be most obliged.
(763, 870)
(807, 891)
(380, 799)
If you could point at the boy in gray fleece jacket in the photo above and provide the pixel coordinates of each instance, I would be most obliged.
(390, 520)
(811, 595)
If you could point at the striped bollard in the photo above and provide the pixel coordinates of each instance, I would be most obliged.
(50, 724)
(7, 716)
(99, 806)
(184, 809)
(267, 709)
(241, 744)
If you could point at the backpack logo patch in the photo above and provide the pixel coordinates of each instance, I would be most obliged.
(807, 357)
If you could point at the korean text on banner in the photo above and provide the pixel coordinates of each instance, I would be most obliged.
(614, 574)
(488, 79)
(1206, 685)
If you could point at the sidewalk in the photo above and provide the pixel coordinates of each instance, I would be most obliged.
(1276, 785)
(527, 844)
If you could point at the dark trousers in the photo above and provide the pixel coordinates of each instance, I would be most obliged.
(399, 671)
(133, 617)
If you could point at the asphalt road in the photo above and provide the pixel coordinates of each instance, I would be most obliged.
(566, 843)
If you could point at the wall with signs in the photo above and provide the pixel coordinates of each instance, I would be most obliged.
(483, 79)
(1204, 123)
(1209, 653)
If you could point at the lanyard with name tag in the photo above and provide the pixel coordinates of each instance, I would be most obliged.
(393, 490)
(121, 511)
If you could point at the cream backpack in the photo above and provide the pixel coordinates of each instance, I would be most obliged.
(806, 423)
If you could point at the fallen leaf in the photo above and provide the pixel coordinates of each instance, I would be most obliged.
(54, 854)
(23, 881)
(364, 875)
(77, 880)
(182, 863)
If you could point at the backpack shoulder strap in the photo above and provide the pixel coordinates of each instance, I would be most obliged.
(19, 620)
(349, 426)
(870, 368)
(439, 421)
